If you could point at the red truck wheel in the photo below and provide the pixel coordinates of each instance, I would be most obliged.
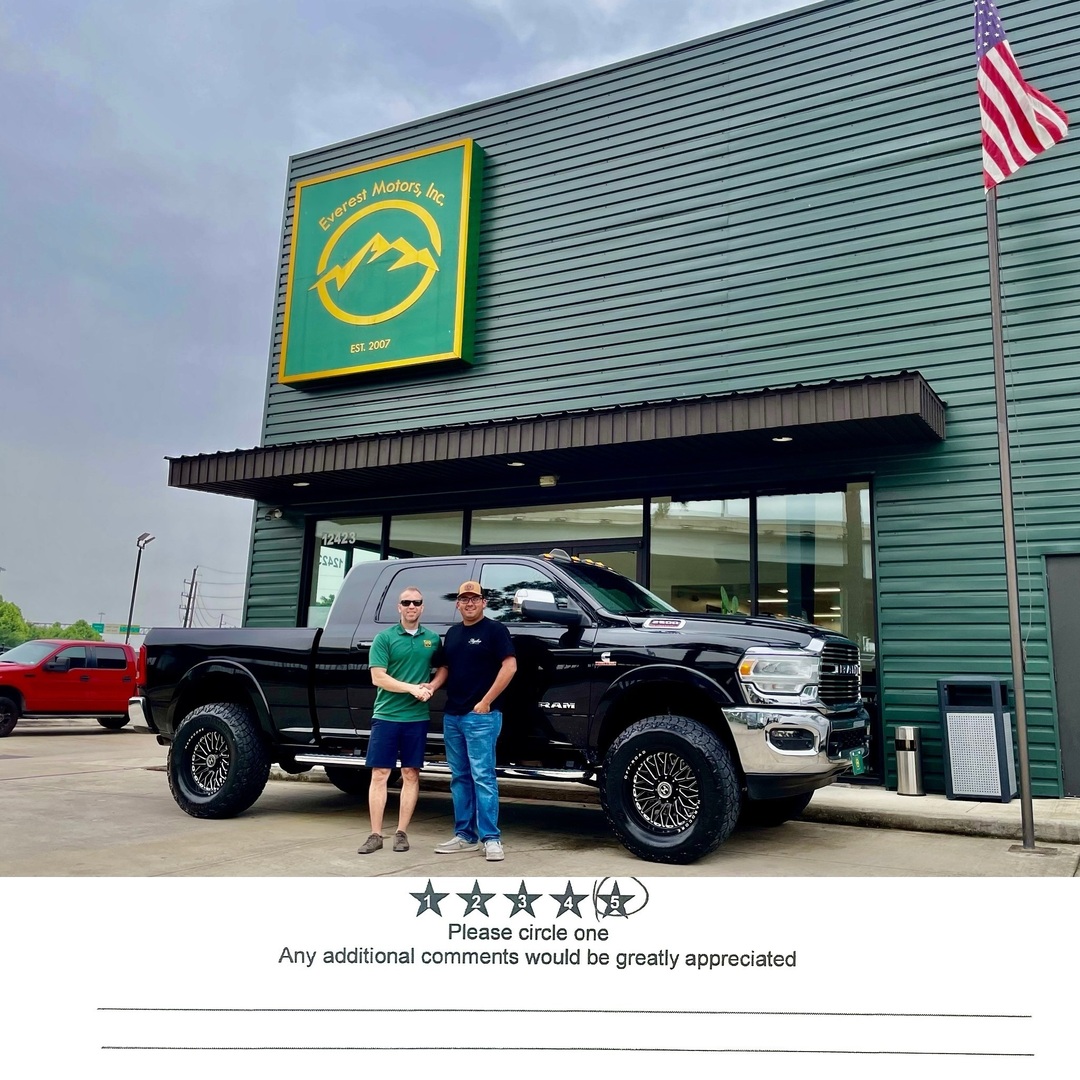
(9, 715)
(669, 789)
(112, 723)
(218, 765)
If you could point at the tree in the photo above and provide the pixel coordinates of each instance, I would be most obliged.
(14, 629)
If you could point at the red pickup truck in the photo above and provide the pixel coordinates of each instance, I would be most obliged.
(66, 678)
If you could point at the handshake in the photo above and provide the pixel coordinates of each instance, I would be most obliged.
(422, 692)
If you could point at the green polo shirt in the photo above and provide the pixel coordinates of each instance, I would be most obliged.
(409, 658)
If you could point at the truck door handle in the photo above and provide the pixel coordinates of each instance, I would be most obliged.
(363, 644)
(84, 678)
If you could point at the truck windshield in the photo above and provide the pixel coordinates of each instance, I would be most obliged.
(30, 652)
(612, 591)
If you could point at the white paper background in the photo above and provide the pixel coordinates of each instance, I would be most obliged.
(194, 966)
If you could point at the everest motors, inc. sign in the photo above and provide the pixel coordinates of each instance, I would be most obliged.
(382, 264)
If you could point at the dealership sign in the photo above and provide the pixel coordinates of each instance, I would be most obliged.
(382, 265)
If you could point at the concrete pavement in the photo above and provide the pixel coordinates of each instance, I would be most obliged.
(77, 800)
(1056, 820)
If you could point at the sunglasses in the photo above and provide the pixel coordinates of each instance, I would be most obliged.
(411, 603)
(469, 599)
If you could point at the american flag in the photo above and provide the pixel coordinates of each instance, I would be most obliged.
(1018, 122)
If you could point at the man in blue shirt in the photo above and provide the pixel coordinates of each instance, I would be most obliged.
(401, 660)
(479, 663)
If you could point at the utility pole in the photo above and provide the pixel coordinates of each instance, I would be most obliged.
(190, 609)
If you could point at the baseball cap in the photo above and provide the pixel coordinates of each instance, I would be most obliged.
(470, 588)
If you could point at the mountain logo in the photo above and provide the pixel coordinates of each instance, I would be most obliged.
(403, 288)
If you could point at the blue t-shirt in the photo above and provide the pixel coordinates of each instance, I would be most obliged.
(474, 655)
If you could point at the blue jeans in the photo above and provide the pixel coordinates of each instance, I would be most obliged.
(470, 752)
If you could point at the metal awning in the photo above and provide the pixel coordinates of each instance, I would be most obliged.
(647, 440)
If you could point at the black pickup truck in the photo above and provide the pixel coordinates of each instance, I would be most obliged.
(684, 721)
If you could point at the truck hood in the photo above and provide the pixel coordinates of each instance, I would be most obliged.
(750, 630)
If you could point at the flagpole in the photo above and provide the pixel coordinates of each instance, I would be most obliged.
(1012, 587)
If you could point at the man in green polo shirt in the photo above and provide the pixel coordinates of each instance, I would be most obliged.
(402, 658)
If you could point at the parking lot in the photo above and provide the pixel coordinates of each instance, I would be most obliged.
(77, 800)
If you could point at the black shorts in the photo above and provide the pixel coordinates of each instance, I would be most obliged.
(396, 742)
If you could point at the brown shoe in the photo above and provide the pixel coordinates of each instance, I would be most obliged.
(401, 841)
(372, 843)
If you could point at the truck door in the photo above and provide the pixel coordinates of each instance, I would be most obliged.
(438, 584)
(546, 706)
(62, 683)
(112, 679)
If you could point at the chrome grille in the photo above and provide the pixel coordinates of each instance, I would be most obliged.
(840, 674)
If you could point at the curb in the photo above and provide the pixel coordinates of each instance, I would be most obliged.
(955, 818)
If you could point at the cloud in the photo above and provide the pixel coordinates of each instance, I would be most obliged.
(142, 175)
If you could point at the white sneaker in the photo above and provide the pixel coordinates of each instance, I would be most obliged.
(493, 851)
(456, 843)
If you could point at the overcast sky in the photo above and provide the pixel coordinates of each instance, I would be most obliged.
(143, 152)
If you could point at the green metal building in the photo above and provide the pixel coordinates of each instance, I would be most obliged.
(725, 325)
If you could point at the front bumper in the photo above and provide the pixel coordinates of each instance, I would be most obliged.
(789, 751)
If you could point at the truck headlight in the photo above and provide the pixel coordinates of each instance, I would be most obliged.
(772, 676)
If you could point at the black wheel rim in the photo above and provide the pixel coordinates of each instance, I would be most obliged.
(664, 790)
(209, 760)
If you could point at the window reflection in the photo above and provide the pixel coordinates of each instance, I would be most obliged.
(413, 536)
(339, 544)
(700, 560)
(815, 561)
(552, 525)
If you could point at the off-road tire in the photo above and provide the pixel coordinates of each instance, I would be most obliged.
(113, 723)
(768, 813)
(9, 715)
(218, 764)
(669, 789)
(355, 780)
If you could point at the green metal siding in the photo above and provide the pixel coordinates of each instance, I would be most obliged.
(275, 571)
(793, 201)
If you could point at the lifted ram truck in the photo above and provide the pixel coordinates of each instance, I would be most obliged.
(685, 722)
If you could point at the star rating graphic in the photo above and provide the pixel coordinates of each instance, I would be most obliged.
(429, 900)
(610, 899)
(522, 900)
(614, 903)
(475, 900)
(568, 900)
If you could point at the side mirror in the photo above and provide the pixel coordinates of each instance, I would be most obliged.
(541, 611)
(544, 595)
(57, 664)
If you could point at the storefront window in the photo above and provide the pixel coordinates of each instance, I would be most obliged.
(512, 527)
(416, 535)
(814, 561)
(700, 558)
(339, 543)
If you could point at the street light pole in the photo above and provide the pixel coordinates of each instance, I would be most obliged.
(141, 541)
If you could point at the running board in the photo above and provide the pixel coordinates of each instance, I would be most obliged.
(440, 768)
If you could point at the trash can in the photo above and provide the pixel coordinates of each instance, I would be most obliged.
(908, 761)
(977, 738)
